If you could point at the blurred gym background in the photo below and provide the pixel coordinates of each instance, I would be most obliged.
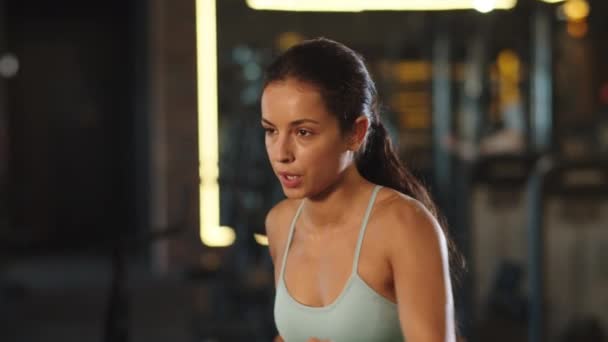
(116, 223)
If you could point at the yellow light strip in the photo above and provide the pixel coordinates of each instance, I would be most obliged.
(261, 239)
(211, 233)
(376, 5)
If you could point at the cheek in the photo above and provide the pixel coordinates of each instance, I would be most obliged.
(326, 160)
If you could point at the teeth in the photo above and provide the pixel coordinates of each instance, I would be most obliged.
(291, 177)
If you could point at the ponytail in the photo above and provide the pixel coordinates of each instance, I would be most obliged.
(379, 164)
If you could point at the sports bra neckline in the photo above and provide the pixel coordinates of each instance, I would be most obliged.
(354, 274)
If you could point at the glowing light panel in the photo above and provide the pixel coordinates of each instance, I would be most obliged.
(211, 233)
(374, 5)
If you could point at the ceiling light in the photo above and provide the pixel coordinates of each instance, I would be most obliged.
(576, 9)
(484, 6)
(374, 5)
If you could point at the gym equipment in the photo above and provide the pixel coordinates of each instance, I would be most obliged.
(568, 240)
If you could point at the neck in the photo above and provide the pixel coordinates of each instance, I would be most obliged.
(330, 209)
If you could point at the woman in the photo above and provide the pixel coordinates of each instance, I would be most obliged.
(358, 252)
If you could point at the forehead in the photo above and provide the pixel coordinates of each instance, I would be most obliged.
(292, 99)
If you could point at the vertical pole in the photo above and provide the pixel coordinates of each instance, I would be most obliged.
(535, 250)
(140, 35)
(541, 135)
(541, 98)
(4, 136)
(469, 130)
(442, 106)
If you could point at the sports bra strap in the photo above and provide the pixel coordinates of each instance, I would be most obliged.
(359, 241)
(364, 226)
(291, 229)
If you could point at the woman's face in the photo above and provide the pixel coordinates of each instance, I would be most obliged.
(306, 149)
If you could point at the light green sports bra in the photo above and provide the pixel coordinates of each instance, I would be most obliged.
(358, 314)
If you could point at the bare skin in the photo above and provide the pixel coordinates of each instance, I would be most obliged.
(404, 253)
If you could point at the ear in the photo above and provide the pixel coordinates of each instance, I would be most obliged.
(358, 133)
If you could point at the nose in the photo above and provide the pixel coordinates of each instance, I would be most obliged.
(283, 149)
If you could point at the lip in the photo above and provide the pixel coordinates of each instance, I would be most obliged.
(290, 182)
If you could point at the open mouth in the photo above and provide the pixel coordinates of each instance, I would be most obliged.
(289, 180)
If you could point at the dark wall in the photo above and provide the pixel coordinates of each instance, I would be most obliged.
(70, 114)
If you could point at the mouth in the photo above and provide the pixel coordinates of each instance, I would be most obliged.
(290, 180)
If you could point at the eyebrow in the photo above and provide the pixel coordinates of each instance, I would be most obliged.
(293, 123)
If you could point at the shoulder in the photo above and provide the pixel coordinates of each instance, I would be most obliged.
(280, 213)
(407, 224)
(277, 223)
(418, 258)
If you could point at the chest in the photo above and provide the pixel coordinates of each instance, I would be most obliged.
(318, 270)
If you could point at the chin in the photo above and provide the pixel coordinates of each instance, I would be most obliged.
(294, 193)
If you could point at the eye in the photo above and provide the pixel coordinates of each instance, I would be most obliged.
(304, 132)
(269, 130)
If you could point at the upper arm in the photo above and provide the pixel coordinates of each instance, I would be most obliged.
(270, 225)
(418, 254)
